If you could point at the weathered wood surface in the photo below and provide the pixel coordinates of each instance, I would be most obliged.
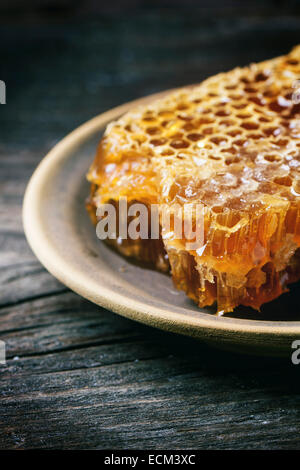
(78, 376)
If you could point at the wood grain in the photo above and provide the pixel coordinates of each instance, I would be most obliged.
(78, 376)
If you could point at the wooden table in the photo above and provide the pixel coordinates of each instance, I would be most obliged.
(78, 376)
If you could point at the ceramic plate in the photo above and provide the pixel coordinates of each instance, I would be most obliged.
(63, 238)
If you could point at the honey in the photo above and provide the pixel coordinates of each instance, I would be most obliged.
(231, 143)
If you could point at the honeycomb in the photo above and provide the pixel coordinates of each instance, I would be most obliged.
(231, 143)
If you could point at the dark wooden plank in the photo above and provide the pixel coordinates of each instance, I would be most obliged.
(138, 403)
(57, 323)
(195, 396)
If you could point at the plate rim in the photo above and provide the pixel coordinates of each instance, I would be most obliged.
(87, 288)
